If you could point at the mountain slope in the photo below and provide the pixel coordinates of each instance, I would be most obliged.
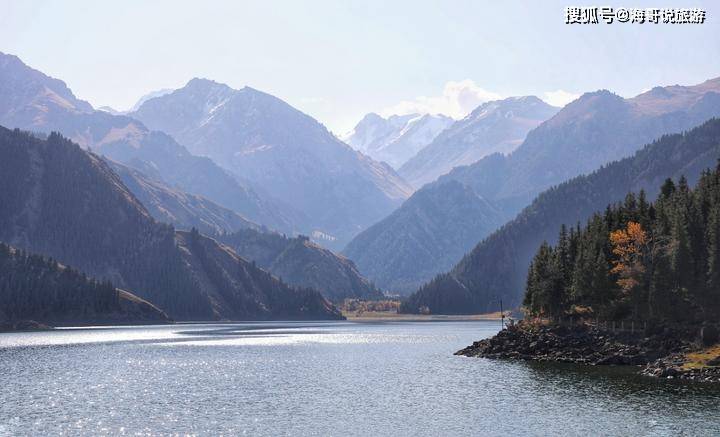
(180, 209)
(36, 102)
(302, 263)
(496, 268)
(493, 127)
(595, 129)
(61, 201)
(148, 96)
(398, 138)
(27, 93)
(281, 151)
(579, 138)
(428, 234)
(36, 288)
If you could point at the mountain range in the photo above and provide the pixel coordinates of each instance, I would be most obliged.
(282, 152)
(61, 201)
(128, 199)
(36, 102)
(595, 129)
(397, 138)
(497, 267)
(493, 127)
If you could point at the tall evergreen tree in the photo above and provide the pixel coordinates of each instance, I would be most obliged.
(638, 259)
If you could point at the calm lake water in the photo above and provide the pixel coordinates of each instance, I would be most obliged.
(326, 379)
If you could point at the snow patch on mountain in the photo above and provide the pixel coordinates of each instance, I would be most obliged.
(397, 138)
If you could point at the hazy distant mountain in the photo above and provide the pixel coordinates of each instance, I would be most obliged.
(27, 93)
(302, 263)
(595, 129)
(63, 202)
(397, 138)
(140, 101)
(35, 288)
(33, 101)
(148, 96)
(497, 267)
(180, 209)
(494, 127)
(158, 155)
(427, 235)
(281, 151)
(109, 110)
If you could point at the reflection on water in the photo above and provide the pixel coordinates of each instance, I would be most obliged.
(324, 378)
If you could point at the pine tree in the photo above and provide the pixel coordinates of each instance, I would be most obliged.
(656, 260)
(713, 256)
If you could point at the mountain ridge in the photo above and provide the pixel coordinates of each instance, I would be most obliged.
(281, 150)
(497, 266)
(180, 209)
(398, 138)
(585, 134)
(64, 202)
(26, 105)
(302, 263)
(430, 232)
(497, 126)
(38, 289)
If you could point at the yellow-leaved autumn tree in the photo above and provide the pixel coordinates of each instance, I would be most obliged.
(629, 245)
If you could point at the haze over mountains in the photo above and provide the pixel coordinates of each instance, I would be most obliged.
(246, 168)
(595, 129)
(497, 267)
(494, 127)
(397, 138)
(180, 209)
(33, 101)
(281, 151)
(152, 161)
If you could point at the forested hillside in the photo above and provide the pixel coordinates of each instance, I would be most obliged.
(36, 288)
(61, 201)
(302, 263)
(636, 260)
(496, 268)
(428, 234)
(178, 208)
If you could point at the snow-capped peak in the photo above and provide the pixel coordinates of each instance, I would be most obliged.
(397, 138)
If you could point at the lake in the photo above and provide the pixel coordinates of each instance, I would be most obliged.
(325, 379)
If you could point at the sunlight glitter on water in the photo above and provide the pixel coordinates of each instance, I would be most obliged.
(77, 336)
(271, 338)
(322, 378)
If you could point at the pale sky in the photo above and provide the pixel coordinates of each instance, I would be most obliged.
(339, 59)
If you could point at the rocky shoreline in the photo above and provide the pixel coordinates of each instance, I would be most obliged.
(664, 352)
